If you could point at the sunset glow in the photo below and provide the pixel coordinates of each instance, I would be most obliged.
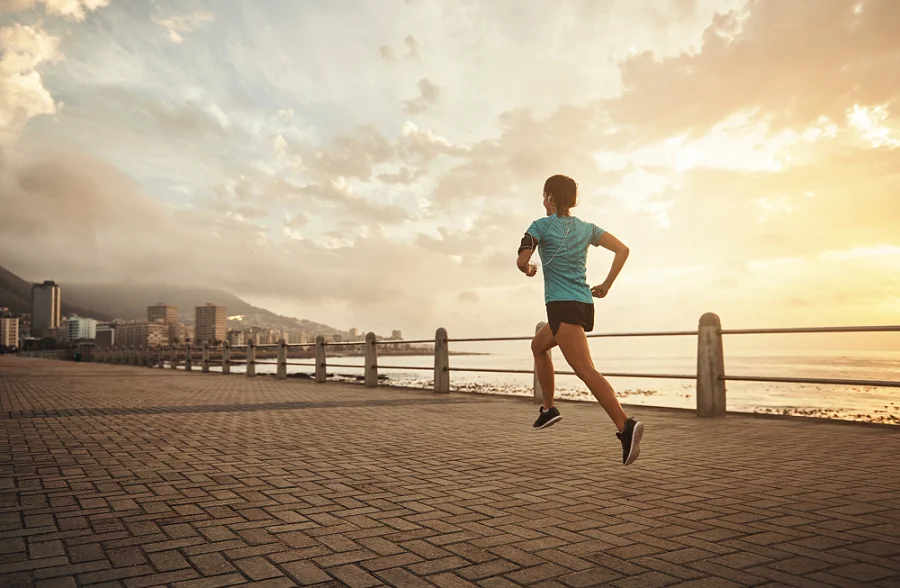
(748, 153)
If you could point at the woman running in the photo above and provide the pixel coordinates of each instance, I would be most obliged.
(563, 241)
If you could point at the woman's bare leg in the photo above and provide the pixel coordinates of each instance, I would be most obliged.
(541, 345)
(574, 346)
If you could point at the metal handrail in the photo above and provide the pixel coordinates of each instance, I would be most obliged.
(830, 381)
(710, 333)
(869, 329)
(590, 336)
(571, 373)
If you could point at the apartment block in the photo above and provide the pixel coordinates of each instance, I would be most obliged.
(210, 324)
(138, 334)
(9, 331)
(81, 328)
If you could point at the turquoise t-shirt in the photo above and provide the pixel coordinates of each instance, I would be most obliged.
(563, 243)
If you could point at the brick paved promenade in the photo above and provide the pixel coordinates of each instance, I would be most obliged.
(127, 476)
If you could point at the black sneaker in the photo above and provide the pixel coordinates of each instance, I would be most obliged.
(631, 440)
(547, 418)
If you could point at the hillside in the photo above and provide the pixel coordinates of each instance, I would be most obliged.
(15, 293)
(129, 301)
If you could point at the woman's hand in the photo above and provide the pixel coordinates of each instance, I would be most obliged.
(531, 270)
(601, 290)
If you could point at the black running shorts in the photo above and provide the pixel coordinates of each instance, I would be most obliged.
(571, 313)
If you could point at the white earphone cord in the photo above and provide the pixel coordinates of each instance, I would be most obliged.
(565, 237)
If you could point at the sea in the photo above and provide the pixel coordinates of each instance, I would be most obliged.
(845, 402)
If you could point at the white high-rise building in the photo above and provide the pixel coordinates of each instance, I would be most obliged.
(81, 328)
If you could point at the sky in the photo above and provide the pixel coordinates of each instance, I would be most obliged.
(374, 164)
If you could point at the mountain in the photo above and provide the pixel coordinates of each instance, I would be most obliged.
(15, 293)
(129, 301)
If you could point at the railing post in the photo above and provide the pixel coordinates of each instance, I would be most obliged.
(251, 358)
(173, 359)
(710, 367)
(281, 367)
(160, 357)
(441, 362)
(188, 352)
(321, 374)
(371, 371)
(204, 361)
(226, 357)
(538, 391)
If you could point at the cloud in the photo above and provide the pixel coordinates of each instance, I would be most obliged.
(412, 47)
(468, 297)
(429, 95)
(181, 24)
(73, 9)
(387, 53)
(797, 62)
(412, 50)
(731, 153)
(22, 92)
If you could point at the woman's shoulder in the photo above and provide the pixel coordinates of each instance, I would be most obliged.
(584, 223)
(541, 222)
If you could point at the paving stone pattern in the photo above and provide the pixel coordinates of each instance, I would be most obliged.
(128, 476)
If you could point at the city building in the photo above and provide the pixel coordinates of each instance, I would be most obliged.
(162, 313)
(396, 335)
(9, 331)
(297, 337)
(210, 323)
(179, 333)
(139, 333)
(81, 328)
(59, 333)
(263, 337)
(25, 325)
(355, 334)
(236, 338)
(45, 305)
(105, 335)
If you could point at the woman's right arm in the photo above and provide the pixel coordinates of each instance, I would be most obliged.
(608, 241)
